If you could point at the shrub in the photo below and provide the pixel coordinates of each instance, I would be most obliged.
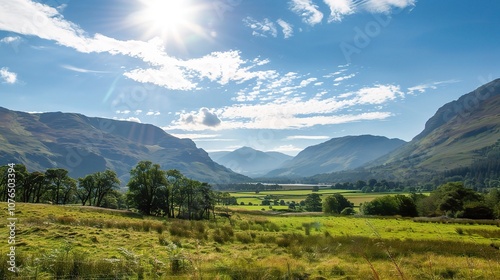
(244, 237)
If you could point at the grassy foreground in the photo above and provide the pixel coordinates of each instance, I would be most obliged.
(71, 242)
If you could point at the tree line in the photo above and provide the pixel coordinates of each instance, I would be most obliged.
(55, 186)
(151, 190)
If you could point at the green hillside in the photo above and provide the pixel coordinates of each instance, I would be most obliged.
(84, 145)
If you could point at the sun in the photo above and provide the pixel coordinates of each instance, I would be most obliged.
(165, 18)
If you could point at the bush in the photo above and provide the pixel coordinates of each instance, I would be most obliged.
(244, 237)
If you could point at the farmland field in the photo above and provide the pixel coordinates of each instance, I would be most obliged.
(58, 241)
(296, 195)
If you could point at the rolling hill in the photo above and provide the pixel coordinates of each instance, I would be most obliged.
(84, 145)
(251, 162)
(337, 154)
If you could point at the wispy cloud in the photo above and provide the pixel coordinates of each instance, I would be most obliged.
(261, 28)
(426, 86)
(307, 137)
(10, 39)
(129, 119)
(195, 136)
(153, 113)
(163, 70)
(343, 78)
(286, 149)
(307, 10)
(384, 6)
(7, 76)
(286, 27)
(297, 112)
(342, 8)
(339, 9)
(82, 70)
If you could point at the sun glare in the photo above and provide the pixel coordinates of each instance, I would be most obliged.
(166, 18)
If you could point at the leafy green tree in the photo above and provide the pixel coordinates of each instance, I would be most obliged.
(146, 180)
(334, 204)
(60, 185)
(105, 183)
(86, 189)
(385, 206)
(448, 199)
(36, 187)
(313, 203)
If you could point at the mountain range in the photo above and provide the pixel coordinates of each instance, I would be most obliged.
(454, 137)
(337, 154)
(84, 145)
(250, 162)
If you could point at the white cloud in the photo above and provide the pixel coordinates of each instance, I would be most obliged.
(424, 87)
(166, 71)
(297, 112)
(81, 70)
(287, 149)
(7, 76)
(129, 119)
(194, 136)
(261, 28)
(307, 10)
(10, 39)
(125, 112)
(137, 112)
(339, 9)
(203, 119)
(343, 78)
(378, 94)
(286, 27)
(307, 137)
(384, 6)
(153, 113)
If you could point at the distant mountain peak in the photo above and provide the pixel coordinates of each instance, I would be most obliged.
(337, 154)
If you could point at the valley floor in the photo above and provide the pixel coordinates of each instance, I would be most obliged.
(72, 242)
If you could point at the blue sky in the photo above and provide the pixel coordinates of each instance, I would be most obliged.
(272, 75)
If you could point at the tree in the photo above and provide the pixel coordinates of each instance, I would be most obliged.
(450, 198)
(93, 188)
(390, 205)
(60, 184)
(334, 204)
(38, 186)
(146, 180)
(106, 182)
(384, 206)
(86, 189)
(313, 203)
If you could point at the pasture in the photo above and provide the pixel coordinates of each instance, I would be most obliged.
(72, 242)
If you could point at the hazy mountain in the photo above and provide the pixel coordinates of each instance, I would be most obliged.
(337, 154)
(452, 138)
(252, 162)
(215, 156)
(83, 145)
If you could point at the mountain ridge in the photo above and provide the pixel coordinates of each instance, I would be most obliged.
(84, 145)
(337, 154)
(252, 162)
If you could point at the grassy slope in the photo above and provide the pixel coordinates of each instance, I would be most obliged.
(253, 247)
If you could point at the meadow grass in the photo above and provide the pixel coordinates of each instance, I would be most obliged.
(57, 242)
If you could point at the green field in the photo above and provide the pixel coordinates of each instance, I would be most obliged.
(356, 197)
(71, 242)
